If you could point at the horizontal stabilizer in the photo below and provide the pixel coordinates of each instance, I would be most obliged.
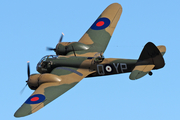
(140, 71)
(162, 49)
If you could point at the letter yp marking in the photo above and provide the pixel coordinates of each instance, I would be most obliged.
(123, 66)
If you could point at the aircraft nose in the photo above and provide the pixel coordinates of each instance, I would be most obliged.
(33, 81)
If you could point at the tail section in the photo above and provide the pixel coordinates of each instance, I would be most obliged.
(162, 49)
(150, 58)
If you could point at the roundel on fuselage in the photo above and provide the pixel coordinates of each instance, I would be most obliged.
(108, 68)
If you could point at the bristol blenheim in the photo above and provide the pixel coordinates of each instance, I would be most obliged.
(77, 60)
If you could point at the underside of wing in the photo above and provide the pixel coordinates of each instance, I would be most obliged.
(49, 91)
(99, 34)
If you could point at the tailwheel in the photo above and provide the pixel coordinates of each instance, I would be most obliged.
(150, 73)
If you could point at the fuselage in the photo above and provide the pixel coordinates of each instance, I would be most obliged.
(99, 65)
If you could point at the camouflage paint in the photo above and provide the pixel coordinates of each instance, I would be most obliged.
(66, 71)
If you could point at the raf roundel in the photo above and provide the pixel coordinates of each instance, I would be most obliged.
(100, 24)
(35, 99)
(108, 68)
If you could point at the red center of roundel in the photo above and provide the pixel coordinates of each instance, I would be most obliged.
(100, 23)
(34, 98)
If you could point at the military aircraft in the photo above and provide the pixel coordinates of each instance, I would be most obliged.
(76, 60)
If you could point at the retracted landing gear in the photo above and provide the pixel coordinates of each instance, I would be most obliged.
(150, 73)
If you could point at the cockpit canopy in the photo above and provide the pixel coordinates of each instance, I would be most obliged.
(48, 56)
(40, 63)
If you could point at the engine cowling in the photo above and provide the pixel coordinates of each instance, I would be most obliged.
(35, 80)
(63, 48)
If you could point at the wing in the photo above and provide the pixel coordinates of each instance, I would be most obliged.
(99, 34)
(47, 92)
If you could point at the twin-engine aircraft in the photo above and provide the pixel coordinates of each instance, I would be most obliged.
(76, 60)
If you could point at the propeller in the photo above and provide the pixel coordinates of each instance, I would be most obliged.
(48, 48)
(28, 73)
(28, 70)
(60, 40)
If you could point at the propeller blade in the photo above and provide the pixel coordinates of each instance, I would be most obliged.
(28, 73)
(54, 49)
(48, 48)
(23, 89)
(60, 40)
(28, 69)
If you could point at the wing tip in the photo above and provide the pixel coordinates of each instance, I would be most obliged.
(18, 114)
(24, 110)
(116, 4)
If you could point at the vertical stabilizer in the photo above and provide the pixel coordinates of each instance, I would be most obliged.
(150, 58)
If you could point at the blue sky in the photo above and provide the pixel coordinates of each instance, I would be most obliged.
(28, 27)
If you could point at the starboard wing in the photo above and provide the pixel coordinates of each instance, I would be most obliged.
(99, 34)
(47, 92)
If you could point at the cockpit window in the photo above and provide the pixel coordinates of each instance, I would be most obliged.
(52, 56)
(45, 58)
(48, 56)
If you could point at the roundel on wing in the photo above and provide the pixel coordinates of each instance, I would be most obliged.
(35, 99)
(108, 68)
(100, 24)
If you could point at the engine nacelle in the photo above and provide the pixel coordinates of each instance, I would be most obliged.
(35, 80)
(63, 48)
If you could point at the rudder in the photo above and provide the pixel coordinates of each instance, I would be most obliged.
(151, 55)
